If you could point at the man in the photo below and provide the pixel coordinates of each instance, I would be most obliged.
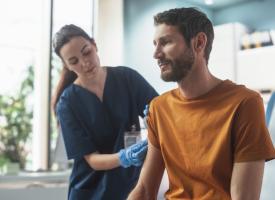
(209, 134)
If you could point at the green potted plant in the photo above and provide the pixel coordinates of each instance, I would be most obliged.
(16, 123)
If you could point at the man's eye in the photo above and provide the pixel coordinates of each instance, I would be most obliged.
(164, 42)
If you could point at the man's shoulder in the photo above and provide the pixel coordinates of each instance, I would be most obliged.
(238, 93)
(164, 97)
(240, 90)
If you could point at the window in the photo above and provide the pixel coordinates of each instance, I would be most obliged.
(18, 44)
(79, 13)
(25, 44)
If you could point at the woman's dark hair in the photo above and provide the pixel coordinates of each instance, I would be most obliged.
(190, 21)
(62, 37)
(65, 34)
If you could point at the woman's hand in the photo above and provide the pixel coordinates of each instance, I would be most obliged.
(133, 155)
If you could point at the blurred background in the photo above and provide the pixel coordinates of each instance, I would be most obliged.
(33, 163)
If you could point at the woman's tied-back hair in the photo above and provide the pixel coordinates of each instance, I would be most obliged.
(190, 21)
(67, 77)
(65, 34)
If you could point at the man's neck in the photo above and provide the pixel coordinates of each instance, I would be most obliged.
(197, 83)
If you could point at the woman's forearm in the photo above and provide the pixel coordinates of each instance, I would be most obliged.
(102, 161)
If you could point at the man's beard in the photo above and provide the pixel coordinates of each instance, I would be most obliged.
(179, 67)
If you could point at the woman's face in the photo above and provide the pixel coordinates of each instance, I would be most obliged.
(80, 56)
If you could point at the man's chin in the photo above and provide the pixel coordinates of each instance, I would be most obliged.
(166, 78)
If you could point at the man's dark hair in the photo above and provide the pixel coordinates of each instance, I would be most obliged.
(190, 21)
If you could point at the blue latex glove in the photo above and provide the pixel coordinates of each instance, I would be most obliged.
(145, 112)
(133, 155)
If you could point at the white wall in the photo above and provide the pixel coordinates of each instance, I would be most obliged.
(109, 31)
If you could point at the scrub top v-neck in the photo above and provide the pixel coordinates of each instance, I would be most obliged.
(89, 125)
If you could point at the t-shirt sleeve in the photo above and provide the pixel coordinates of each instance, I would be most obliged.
(152, 132)
(142, 90)
(251, 139)
(76, 139)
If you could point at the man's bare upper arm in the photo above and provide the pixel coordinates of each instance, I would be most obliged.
(246, 180)
(150, 176)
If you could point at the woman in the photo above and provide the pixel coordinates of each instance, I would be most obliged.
(95, 105)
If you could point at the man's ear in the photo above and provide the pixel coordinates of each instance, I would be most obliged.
(200, 41)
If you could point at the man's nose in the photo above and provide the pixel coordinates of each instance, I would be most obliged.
(158, 53)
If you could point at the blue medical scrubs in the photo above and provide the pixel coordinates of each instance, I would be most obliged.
(90, 125)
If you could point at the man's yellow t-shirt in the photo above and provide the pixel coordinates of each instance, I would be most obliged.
(201, 138)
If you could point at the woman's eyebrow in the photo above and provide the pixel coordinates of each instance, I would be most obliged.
(83, 48)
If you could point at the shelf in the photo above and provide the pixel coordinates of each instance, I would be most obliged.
(258, 50)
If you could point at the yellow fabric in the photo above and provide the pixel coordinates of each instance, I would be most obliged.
(201, 138)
